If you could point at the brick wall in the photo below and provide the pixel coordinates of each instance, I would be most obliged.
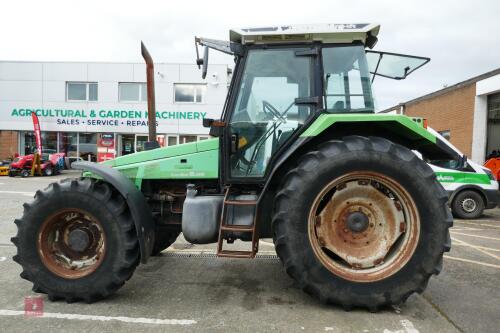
(452, 110)
(8, 144)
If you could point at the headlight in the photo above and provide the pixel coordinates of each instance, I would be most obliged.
(490, 174)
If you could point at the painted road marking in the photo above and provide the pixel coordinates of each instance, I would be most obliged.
(29, 194)
(467, 229)
(132, 320)
(477, 236)
(407, 327)
(479, 247)
(473, 262)
(476, 248)
(3, 259)
(482, 224)
(209, 251)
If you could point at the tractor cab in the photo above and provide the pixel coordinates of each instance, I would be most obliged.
(286, 76)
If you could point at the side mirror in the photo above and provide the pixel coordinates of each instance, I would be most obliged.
(207, 122)
(216, 126)
(205, 63)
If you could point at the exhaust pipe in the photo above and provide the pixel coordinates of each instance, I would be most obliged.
(150, 79)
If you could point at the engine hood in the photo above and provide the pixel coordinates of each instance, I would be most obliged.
(196, 160)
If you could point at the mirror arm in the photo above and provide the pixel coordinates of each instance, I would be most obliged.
(376, 67)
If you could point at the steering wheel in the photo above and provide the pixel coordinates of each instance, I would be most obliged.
(269, 109)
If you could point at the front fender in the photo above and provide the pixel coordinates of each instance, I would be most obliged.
(139, 208)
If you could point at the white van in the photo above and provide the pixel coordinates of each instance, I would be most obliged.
(471, 187)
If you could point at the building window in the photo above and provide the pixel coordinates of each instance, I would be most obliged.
(445, 134)
(140, 141)
(28, 145)
(189, 93)
(187, 138)
(81, 91)
(172, 140)
(28, 142)
(68, 143)
(494, 107)
(88, 146)
(132, 92)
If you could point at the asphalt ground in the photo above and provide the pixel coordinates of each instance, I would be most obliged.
(188, 289)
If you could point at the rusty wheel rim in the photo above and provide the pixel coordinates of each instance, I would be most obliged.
(71, 243)
(364, 226)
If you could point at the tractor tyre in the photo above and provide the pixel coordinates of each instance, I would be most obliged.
(467, 204)
(164, 237)
(361, 222)
(77, 241)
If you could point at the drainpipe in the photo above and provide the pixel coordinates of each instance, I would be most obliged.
(402, 108)
(150, 79)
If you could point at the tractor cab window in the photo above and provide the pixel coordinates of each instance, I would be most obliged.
(265, 114)
(347, 85)
(393, 65)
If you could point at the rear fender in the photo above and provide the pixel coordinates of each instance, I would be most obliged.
(400, 129)
(139, 208)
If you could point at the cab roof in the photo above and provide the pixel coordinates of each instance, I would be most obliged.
(326, 33)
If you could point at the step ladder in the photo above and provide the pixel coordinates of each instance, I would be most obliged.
(226, 228)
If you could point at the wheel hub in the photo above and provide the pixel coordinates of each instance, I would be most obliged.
(357, 222)
(469, 205)
(78, 240)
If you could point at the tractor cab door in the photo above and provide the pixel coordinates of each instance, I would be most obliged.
(272, 102)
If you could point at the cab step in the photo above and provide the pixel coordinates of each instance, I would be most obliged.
(236, 254)
(226, 228)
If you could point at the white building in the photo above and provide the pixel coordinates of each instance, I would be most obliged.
(86, 108)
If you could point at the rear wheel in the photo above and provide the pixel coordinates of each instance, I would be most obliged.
(361, 222)
(77, 241)
(25, 173)
(468, 205)
(48, 171)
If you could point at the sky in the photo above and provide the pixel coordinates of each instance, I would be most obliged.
(461, 37)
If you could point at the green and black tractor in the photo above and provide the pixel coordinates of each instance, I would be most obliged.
(298, 155)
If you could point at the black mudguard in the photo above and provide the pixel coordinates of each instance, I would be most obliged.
(139, 208)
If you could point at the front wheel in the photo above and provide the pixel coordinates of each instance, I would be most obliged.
(467, 204)
(361, 222)
(164, 237)
(77, 241)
